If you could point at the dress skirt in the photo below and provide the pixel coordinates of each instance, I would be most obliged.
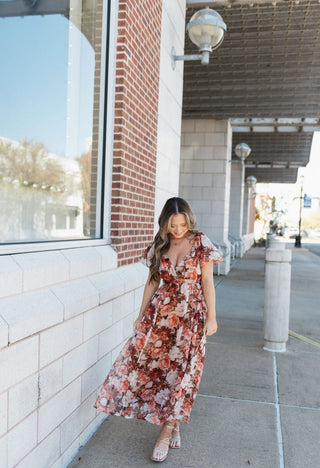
(157, 374)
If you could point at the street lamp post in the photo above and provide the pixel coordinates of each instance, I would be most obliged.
(298, 237)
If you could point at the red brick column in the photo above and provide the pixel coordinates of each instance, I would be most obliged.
(135, 133)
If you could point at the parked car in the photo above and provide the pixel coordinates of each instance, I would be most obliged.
(292, 232)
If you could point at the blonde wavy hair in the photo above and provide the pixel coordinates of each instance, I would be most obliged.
(161, 243)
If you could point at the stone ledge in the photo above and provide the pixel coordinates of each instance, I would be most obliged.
(112, 284)
(23, 272)
(76, 296)
(40, 269)
(10, 277)
(4, 333)
(29, 313)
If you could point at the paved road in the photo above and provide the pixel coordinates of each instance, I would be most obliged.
(313, 244)
(314, 248)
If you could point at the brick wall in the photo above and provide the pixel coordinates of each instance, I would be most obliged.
(135, 132)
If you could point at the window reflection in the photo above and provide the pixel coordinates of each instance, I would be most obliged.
(49, 120)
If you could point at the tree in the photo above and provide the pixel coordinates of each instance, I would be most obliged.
(29, 164)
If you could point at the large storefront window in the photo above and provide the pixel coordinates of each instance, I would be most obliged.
(51, 119)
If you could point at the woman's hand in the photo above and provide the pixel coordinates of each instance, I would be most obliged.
(136, 323)
(211, 326)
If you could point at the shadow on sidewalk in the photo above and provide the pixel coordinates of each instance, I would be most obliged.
(254, 408)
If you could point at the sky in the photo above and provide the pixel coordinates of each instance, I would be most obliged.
(34, 55)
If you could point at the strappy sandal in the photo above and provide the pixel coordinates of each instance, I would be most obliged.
(159, 454)
(175, 441)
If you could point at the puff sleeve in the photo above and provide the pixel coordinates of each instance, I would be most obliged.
(209, 251)
(147, 255)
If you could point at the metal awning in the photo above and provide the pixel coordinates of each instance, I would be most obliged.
(282, 150)
(267, 66)
(265, 77)
(288, 176)
(275, 157)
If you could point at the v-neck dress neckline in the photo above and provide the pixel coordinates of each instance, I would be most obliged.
(181, 262)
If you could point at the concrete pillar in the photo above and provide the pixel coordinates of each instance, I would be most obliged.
(247, 228)
(246, 209)
(205, 178)
(236, 203)
(270, 239)
(169, 105)
(277, 298)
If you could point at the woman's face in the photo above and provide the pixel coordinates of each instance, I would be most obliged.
(179, 226)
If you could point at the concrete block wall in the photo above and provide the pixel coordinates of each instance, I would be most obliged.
(205, 177)
(170, 104)
(236, 199)
(248, 240)
(64, 316)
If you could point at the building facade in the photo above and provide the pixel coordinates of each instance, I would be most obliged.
(96, 145)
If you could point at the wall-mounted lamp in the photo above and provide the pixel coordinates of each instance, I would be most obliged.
(242, 150)
(251, 181)
(206, 30)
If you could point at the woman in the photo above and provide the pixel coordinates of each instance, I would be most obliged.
(158, 372)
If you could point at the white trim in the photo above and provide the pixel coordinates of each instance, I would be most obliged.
(277, 406)
(7, 249)
(203, 395)
(109, 130)
(104, 52)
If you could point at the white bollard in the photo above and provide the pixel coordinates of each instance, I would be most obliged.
(274, 243)
(270, 238)
(277, 299)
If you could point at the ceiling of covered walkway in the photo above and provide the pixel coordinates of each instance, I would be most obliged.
(265, 77)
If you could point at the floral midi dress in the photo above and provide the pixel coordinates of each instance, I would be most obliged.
(157, 374)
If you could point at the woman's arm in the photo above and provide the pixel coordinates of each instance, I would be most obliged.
(149, 290)
(209, 297)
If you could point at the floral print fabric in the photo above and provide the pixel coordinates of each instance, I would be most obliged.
(157, 374)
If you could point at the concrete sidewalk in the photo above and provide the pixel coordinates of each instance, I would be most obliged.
(254, 408)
